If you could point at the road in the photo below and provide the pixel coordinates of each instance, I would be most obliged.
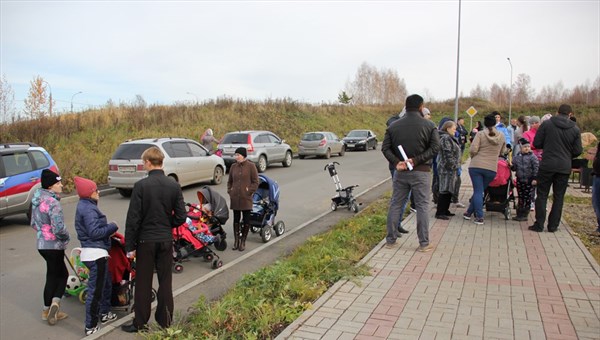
(306, 192)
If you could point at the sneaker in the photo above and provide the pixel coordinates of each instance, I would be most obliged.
(108, 317)
(467, 216)
(90, 331)
(52, 313)
(478, 220)
(413, 209)
(460, 205)
(532, 207)
(59, 316)
(424, 249)
(391, 245)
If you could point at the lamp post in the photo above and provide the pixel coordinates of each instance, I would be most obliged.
(50, 101)
(73, 96)
(193, 94)
(457, 66)
(510, 92)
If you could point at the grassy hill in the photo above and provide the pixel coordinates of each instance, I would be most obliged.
(82, 143)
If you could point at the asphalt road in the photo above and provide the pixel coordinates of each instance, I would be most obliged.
(306, 192)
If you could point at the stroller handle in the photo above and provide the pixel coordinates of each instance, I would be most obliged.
(329, 165)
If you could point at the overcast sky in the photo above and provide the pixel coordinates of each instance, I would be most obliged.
(178, 51)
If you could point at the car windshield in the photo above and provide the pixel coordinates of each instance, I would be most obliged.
(358, 133)
(311, 136)
(235, 138)
(130, 151)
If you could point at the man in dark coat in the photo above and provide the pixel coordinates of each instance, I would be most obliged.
(420, 141)
(156, 207)
(560, 139)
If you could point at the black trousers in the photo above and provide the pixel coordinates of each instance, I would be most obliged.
(150, 255)
(56, 274)
(558, 182)
(243, 215)
(443, 204)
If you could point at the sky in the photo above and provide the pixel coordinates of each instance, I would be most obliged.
(186, 51)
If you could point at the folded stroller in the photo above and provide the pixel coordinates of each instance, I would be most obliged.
(344, 196)
(265, 204)
(202, 229)
(500, 193)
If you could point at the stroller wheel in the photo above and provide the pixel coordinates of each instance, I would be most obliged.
(221, 246)
(177, 268)
(266, 234)
(217, 264)
(354, 207)
(507, 212)
(333, 206)
(279, 228)
(83, 295)
(208, 257)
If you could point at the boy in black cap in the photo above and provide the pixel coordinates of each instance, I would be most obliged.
(525, 164)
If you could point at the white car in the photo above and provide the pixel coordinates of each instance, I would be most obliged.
(186, 161)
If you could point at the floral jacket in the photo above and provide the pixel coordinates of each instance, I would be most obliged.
(48, 221)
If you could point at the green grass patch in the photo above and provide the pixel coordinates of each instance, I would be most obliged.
(263, 303)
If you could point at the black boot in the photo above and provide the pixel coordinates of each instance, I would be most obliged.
(245, 229)
(521, 215)
(236, 236)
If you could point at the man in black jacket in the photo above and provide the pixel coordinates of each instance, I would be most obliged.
(420, 140)
(155, 208)
(560, 139)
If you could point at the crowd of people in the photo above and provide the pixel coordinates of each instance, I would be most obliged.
(425, 163)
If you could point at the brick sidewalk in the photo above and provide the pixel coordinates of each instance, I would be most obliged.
(493, 281)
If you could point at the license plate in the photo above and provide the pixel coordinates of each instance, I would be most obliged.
(350, 145)
(126, 168)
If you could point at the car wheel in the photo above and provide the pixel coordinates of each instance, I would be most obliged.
(343, 150)
(173, 177)
(125, 192)
(287, 162)
(217, 176)
(262, 164)
(375, 145)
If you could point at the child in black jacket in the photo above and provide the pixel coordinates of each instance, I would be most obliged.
(526, 166)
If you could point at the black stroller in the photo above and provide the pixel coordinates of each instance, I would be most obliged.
(265, 203)
(500, 193)
(345, 200)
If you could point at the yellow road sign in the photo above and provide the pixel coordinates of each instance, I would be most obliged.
(471, 111)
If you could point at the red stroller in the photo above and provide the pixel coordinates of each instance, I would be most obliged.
(500, 193)
(202, 229)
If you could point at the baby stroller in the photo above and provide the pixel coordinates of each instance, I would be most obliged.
(77, 284)
(500, 193)
(339, 200)
(122, 271)
(202, 228)
(265, 203)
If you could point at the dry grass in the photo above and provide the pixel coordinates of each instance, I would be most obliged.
(578, 213)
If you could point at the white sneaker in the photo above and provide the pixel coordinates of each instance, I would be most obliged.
(460, 205)
(90, 331)
(108, 317)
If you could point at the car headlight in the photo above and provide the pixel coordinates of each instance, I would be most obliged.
(362, 142)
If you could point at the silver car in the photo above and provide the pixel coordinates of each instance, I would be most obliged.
(264, 148)
(320, 144)
(186, 161)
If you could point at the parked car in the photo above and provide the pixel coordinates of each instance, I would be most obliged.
(361, 139)
(264, 148)
(21, 166)
(320, 144)
(186, 161)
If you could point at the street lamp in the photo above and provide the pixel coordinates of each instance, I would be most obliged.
(193, 94)
(73, 96)
(50, 104)
(457, 66)
(510, 92)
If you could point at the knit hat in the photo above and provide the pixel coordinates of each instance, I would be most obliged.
(49, 178)
(85, 187)
(489, 120)
(523, 142)
(241, 151)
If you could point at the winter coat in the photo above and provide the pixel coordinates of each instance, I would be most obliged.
(48, 221)
(560, 139)
(506, 132)
(525, 166)
(485, 150)
(241, 185)
(93, 231)
(448, 161)
(156, 206)
(418, 137)
(461, 135)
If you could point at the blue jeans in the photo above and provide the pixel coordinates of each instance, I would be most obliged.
(405, 182)
(596, 198)
(480, 178)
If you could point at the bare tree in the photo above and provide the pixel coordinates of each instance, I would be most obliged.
(480, 92)
(499, 94)
(523, 92)
(373, 87)
(37, 103)
(7, 101)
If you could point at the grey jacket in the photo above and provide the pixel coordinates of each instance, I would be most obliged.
(525, 166)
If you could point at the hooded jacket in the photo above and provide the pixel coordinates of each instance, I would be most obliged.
(485, 150)
(93, 231)
(525, 166)
(560, 139)
(48, 221)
